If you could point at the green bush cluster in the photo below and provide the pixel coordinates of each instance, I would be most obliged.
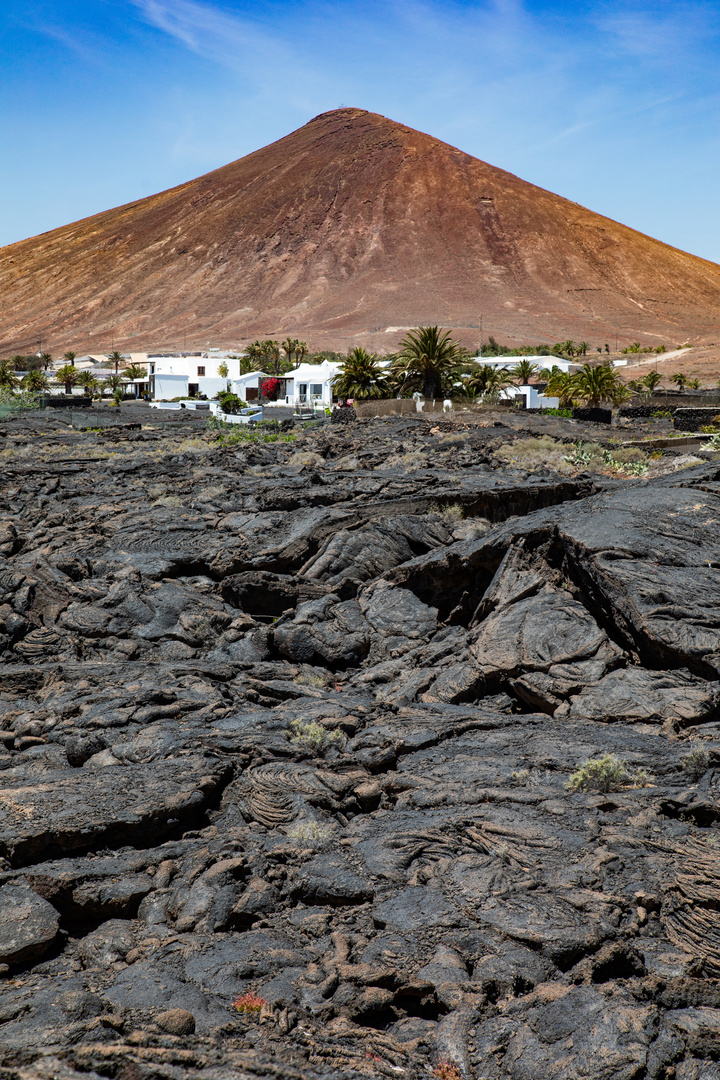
(606, 773)
(629, 460)
(313, 736)
(697, 761)
(234, 434)
(312, 833)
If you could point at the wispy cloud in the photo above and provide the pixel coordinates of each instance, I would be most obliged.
(214, 33)
(659, 32)
(86, 46)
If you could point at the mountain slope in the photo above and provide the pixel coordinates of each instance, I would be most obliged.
(346, 226)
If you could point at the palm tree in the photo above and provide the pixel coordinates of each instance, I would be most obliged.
(115, 358)
(524, 371)
(69, 357)
(568, 347)
(694, 384)
(289, 346)
(114, 383)
(137, 371)
(597, 384)
(67, 374)
(46, 360)
(360, 376)
(679, 379)
(651, 380)
(301, 350)
(582, 348)
(488, 381)
(560, 385)
(271, 353)
(255, 354)
(428, 356)
(8, 378)
(35, 381)
(87, 380)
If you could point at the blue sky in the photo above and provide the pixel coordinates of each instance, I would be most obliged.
(613, 105)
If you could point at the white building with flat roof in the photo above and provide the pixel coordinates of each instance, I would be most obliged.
(507, 362)
(171, 375)
(310, 385)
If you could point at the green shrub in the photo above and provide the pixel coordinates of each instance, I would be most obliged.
(451, 511)
(236, 434)
(168, 500)
(602, 774)
(306, 457)
(312, 736)
(697, 761)
(607, 773)
(627, 454)
(311, 832)
(230, 403)
(312, 679)
(661, 414)
(542, 452)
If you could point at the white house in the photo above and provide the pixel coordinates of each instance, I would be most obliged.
(247, 386)
(172, 375)
(507, 362)
(310, 385)
(533, 398)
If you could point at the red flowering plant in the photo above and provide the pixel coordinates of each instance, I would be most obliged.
(447, 1070)
(249, 1003)
(269, 388)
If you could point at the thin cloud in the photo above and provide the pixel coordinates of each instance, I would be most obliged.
(654, 35)
(213, 33)
(87, 47)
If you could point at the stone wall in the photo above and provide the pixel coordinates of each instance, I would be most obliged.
(694, 419)
(593, 415)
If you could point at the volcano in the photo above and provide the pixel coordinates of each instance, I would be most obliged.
(346, 232)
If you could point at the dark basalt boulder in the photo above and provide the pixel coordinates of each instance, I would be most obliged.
(28, 924)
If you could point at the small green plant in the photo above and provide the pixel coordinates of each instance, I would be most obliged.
(451, 511)
(305, 457)
(713, 443)
(249, 1003)
(521, 776)
(235, 434)
(311, 679)
(661, 414)
(168, 500)
(697, 761)
(628, 460)
(313, 736)
(310, 832)
(541, 452)
(601, 774)
(567, 413)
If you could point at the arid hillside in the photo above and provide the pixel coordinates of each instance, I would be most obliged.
(347, 227)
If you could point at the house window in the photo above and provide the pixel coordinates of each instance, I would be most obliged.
(316, 389)
(201, 370)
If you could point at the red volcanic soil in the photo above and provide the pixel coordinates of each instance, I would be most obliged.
(350, 225)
